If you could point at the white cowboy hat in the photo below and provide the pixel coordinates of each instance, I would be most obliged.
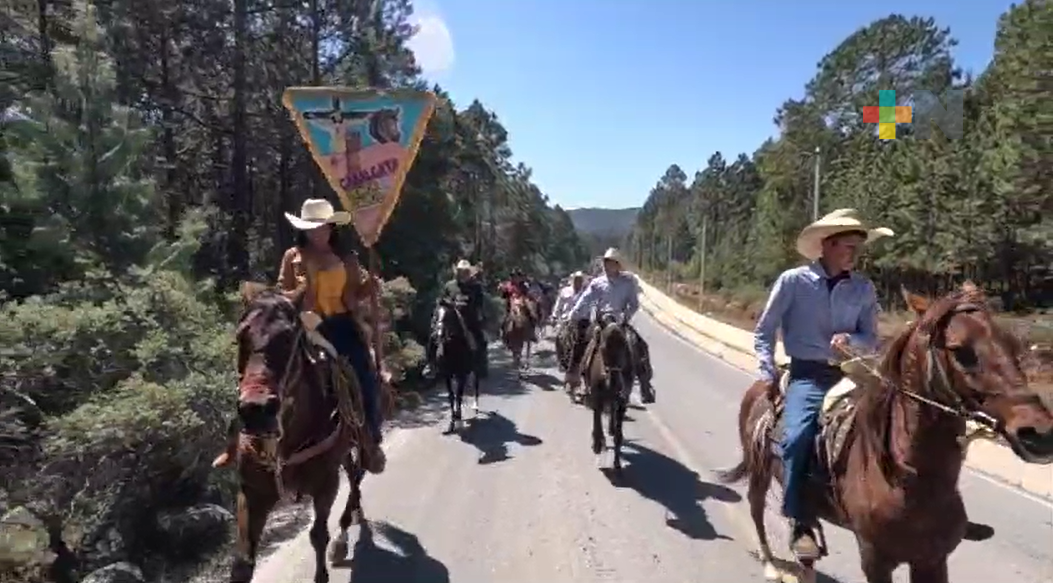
(316, 212)
(810, 241)
(462, 264)
(577, 274)
(613, 254)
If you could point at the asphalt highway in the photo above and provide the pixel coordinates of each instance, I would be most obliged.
(518, 497)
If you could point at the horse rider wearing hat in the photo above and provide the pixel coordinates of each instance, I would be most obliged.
(616, 293)
(517, 286)
(466, 293)
(332, 287)
(567, 296)
(823, 308)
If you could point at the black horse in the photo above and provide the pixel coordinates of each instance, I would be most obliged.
(456, 358)
(609, 372)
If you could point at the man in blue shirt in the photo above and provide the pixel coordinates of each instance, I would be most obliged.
(823, 309)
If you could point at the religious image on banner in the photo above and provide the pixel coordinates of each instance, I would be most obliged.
(364, 143)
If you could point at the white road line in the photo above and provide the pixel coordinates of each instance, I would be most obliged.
(993, 480)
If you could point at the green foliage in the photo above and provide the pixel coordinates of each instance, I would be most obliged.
(979, 207)
(145, 165)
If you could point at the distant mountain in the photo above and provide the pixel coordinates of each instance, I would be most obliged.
(606, 222)
(603, 228)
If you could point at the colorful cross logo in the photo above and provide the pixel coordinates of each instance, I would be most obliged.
(887, 114)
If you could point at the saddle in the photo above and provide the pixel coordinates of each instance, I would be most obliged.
(836, 415)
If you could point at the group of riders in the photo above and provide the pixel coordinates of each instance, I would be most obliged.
(823, 309)
(579, 312)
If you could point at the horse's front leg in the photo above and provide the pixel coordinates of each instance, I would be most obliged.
(452, 399)
(598, 438)
(462, 379)
(932, 573)
(618, 408)
(475, 391)
(323, 496)
(352, 513)
(255, 502)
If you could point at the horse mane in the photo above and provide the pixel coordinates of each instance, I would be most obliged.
(898, 368)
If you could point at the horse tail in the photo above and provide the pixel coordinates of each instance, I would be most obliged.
(753, 437)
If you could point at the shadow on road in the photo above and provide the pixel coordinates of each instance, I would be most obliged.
(403, 561)
(666, 481)
(491, 434)
(433, 408)
(543, 380)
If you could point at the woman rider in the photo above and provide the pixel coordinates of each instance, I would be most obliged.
(332, 287)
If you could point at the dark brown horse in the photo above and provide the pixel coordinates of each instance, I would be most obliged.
(519, 330)
(608, 372)
(299, 420)
(892, 449)
(457, 360)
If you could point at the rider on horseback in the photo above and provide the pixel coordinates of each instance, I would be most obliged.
(516, 287)
(567, 297)
(332, 287)
(823, 308)
(464, 292)
(616, 292)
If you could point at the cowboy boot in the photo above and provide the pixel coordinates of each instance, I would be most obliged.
(803, 542)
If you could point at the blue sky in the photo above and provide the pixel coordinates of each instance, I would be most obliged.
(600, 96)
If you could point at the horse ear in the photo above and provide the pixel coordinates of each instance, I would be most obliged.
(250, 290)
(919, 304)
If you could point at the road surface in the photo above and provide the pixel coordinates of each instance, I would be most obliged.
(518, 497)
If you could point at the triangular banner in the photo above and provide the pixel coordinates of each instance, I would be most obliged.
(364, 142)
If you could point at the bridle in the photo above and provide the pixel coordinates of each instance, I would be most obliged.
(938, 379)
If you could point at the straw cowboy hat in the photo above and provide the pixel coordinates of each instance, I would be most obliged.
(810, 241)
(613, 255)
(462, 265)
(577, 274)
(316, 212)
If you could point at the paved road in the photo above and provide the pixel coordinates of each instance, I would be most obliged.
(518, 497)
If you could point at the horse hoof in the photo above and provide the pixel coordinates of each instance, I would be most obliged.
(807, 575)
(771, 572)
(338, 550)
(475, 406)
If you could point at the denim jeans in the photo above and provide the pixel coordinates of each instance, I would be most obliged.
(809, 382)
(343, 333)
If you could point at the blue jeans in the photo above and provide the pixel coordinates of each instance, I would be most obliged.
(343, 333)
(809, 382)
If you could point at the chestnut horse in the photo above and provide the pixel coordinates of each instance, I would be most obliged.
(892, 450)
(519, 330)
(299, 420)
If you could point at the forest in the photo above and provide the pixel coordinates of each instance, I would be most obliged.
(146, 162)
(977, 206)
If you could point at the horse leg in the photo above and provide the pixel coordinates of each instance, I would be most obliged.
(451, 398)
(930, 573)
(462, 379)
(618, 409)
(877, 568)
(323, 496)
(475, 390)
(253, 506)
(598, 438)
(757, 495)
(352, 513)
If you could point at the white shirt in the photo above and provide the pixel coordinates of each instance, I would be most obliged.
(565, 301)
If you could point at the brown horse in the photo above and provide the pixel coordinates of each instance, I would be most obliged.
(892, 450)
(299, 420)
(519, 331)
(608, 366)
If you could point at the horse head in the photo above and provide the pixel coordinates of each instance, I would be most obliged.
(269, 337)
(971, 367)
(615, 351)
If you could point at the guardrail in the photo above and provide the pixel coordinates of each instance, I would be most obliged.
(735, 346)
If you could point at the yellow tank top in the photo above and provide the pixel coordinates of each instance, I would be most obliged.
(329, 287)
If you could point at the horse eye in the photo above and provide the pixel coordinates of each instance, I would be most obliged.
(965, 356)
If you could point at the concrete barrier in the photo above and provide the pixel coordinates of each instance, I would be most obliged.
(735, 346)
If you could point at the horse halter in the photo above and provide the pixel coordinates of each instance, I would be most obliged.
(938, 378)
